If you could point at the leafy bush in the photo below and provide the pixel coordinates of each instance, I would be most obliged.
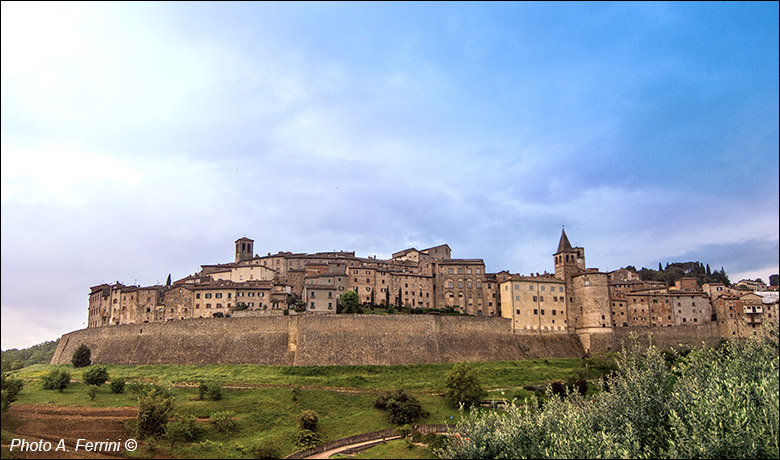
(82, 356)
(141, 390)
(153, 414)
(296, 393)
(56, 379)
(224, 421)
(210, 390)
(92, 391)
(307, 420)
(715, 403)
(306, 439)
(463, 386)
(95, 375)
(10, 389)
(402, 407)
(183, 428)
(117, 385)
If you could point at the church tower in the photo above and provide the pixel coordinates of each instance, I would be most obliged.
(569, 261)
(244, 249)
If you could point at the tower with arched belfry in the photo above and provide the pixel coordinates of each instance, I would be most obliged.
(244, 248)
(568, 260)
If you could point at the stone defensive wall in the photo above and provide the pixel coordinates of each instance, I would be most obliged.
(678, 337)
(306, 340)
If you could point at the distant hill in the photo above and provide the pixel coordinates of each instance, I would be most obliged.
(37, 354)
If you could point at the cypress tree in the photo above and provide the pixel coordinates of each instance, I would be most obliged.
(82, 356)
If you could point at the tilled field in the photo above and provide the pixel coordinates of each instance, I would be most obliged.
(53, 423)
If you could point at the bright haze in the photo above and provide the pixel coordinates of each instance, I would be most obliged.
(143, 139)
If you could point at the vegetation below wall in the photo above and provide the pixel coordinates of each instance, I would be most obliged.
(37, 354)
(714, 402)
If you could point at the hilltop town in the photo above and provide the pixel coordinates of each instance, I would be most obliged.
(573, 299)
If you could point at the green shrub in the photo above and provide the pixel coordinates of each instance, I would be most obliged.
(117, 385)
(153, 413)
(95, 375)
(463, 386)
(92, 391)
(10, 389)
(140, 390)
(402, 407)
(183, 428)
(296, 393)
(82, 356)
(307, 420)
(56, 379)
(224, 421)
(210, 390)
(307, 439)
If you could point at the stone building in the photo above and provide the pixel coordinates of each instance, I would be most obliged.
(535, 303)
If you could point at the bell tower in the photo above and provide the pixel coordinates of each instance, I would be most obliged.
(568, 260)
(244, 249)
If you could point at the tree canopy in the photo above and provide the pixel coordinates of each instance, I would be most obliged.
(678, 270)
(349, 302)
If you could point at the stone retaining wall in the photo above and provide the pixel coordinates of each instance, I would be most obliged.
(322, 340)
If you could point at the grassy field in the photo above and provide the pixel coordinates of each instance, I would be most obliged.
(416, 377)
(263, 398)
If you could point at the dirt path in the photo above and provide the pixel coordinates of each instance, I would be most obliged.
(53, 423)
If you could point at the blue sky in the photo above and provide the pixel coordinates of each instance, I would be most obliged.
(142, 139)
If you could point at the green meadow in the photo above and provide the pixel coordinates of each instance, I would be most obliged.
(261, 397)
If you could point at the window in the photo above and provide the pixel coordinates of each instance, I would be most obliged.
(542, 312)
(535, 311)
(479, 284)
(541, 298)
(460, 284)
(541, 288)
(534, 298)
(197, 295)
(530, 287)
(450, 284)
(208, 295)
(218, 295)
(468, 271)
(449, 271)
